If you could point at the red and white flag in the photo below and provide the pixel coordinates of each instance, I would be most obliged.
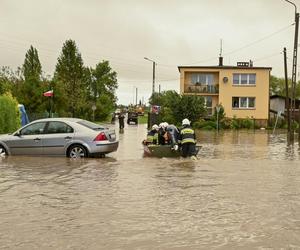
(48, 93)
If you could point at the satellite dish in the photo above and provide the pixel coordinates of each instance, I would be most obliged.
(225, 79)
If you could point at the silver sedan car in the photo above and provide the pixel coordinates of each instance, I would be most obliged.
(71, 137)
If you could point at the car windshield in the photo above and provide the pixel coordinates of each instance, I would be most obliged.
(90, 125)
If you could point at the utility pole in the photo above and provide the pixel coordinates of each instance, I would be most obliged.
(153, 73)
(153, 81)
(287, 98)
(294, 71)
(136, 96)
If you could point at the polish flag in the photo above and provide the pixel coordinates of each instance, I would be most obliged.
(48, 93)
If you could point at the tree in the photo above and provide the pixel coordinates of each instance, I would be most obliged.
(31, 94)
(277, 86)
(69, 73)
(175, 107)
(166, 98)
(32, 68)
(102, 87)
(191, 107)
(5, 85)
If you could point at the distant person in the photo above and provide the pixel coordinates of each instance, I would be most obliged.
(187, 138)
(121, 120)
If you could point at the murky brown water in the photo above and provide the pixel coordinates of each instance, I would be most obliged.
(243, 193)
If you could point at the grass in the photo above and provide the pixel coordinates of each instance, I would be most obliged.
(143, 119)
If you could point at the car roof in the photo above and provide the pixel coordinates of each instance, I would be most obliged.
(69, 119)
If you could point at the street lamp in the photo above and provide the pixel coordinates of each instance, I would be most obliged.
(153, 81)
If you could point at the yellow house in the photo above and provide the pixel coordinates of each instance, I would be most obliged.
(243, 90)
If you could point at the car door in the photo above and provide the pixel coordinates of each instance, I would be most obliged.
(28, 141)
(57, 136)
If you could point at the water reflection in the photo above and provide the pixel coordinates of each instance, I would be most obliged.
(242, 193)
(246, 145)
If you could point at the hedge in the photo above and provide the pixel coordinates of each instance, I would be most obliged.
(9, 114)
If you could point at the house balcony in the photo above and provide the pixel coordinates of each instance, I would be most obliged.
(201, 89)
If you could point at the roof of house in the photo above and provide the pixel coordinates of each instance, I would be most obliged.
(281, 97)
(224, 67)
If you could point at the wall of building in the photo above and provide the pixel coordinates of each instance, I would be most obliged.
(277, 104)
(260, 91)
(227, 90)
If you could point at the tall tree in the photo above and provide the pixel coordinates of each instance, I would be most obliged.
(5, 85)
(102, 89)
(70, 74)
(31, 94)
(32, 68)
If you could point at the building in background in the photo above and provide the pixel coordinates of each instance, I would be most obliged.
(243, 90)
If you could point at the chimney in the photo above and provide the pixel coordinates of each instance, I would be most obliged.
(220, 61)
(251, 63)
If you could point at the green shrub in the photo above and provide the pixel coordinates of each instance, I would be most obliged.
(199, 124)
(247, 123)
(208, 127)
(225, 123)
(9, 114)
(202, 124)
(235, 123)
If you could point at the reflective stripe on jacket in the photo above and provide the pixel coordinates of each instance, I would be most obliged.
(155, 138)
(152, 136)
(187, 134)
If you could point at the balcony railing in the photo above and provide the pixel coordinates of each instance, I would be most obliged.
(211, 89)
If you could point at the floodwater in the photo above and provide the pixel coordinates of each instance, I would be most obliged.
(242, 193)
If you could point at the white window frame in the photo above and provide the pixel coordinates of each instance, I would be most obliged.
(240, 79)
(247, 102)
(205, 101)
(208, 108)
(206, 78)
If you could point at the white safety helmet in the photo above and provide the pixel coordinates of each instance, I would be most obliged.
(161, 125)
(166, 124)
(186, 122)
(155, 127)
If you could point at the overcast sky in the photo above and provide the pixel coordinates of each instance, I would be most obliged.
(171, 32)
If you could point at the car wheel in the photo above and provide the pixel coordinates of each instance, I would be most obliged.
(3, 152)
(77, 151)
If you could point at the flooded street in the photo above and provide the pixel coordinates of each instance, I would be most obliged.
(242, 193)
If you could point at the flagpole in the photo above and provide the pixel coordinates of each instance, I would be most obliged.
(49, 105)
(50, 95)
(52, 99)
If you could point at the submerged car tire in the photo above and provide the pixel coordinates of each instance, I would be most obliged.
(3, 152)
(77, 151)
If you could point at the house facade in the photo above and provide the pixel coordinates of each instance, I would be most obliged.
(243, 90)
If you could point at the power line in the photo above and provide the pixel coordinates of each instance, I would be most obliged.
(267, 56)
(259, 40)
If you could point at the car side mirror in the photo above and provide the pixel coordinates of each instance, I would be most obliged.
(17, 134)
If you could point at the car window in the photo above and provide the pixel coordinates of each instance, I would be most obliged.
(59, 128)
(34, 129)
(90, 125)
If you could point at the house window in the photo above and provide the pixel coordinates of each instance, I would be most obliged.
(202, 78)
(244, 79)
(208, 104)
(243, 102)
